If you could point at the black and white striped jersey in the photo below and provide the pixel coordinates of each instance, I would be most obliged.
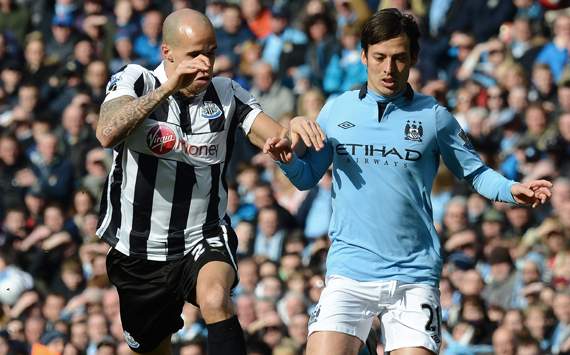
(166, 189)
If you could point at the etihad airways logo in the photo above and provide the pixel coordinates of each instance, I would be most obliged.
(378, 151)
(162, 139)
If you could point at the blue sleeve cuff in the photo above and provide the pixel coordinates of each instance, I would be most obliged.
(492, 185)
(505, 194)
(292, 168)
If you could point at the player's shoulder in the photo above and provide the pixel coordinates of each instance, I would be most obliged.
(132, 69)
(344, 100)
(421, 101)
(129, 73)
(223, 83)
(335, 107)
(348, 96)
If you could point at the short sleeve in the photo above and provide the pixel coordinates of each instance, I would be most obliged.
(246, 107)
(128, 81)
(456, 149)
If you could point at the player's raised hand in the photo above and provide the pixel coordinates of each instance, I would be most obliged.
(532, 193)
(307, 131)
(279, 149)
(186, 71)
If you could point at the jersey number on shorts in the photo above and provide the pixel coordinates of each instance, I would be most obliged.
(198, 250)
(215, 242)
(432, 324)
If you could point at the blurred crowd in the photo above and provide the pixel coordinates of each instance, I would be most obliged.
(499, 65)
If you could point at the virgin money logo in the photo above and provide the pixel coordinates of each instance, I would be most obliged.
(161, 139)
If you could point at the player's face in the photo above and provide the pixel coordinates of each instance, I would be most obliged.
(194, 42)
(389, 64)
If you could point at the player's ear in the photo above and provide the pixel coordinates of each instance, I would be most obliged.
(166, 52)
(363, 58)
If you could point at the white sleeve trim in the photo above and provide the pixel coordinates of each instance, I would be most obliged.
(118, 93)
(249, 119)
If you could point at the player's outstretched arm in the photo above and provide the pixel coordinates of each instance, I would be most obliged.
(265, 127)
(279, 141)
(462, 159)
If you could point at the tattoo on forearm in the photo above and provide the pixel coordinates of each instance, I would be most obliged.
(120, 116)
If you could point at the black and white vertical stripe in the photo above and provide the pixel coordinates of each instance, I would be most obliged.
(157, 208)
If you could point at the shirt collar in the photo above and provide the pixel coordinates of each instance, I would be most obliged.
(160, 73)
(408, 92)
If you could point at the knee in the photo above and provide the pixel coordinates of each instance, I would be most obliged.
(214, 301)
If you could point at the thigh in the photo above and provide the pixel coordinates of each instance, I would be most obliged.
(214, 284)
(412, 351)
(344, 307)
(412, 322)
(149, 306)
(332, 343)
(222, 249)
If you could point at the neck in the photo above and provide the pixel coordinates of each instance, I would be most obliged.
(187, 93)
(375, 94)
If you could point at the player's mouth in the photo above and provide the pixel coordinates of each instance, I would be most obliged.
(202, 79)
(389, 83)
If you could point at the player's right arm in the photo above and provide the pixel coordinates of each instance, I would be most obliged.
(306, 171)
(121, 114)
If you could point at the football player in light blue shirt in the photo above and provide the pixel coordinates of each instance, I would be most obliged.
(385, 142)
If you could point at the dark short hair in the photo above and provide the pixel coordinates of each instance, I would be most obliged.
(387, 24)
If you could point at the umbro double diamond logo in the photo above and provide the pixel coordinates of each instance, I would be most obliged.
(346, 125)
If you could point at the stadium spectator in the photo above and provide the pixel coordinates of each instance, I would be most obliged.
(233, 33)
(284, 40)
(272, 95)
(147, 44)
(257, 16)
(345, 70)
(554, 54)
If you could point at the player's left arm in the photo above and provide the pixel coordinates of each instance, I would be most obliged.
(263, 128)
(279, 142)
(462, 159)
(265, 133)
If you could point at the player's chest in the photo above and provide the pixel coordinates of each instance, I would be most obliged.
(194, 118)
(194, 133)
(390, 139)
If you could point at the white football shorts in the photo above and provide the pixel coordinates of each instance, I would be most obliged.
(410, 314)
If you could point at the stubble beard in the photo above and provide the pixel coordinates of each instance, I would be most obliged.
(193, 89)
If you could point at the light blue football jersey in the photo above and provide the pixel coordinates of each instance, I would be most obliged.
(385, 154)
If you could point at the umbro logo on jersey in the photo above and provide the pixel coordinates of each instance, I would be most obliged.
(413, 131)
(346, 125)
(161, 139)
(210, 110)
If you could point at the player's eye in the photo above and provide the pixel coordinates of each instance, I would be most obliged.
(402, 58)
(380, 58)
